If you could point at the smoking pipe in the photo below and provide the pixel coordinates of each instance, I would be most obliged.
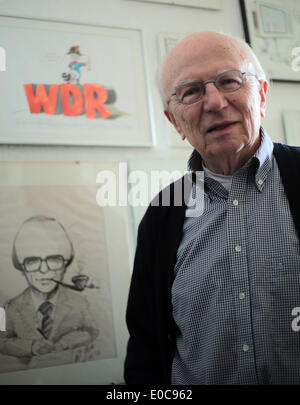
(79, 283)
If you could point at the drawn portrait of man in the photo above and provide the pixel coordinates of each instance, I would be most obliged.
(57, 300)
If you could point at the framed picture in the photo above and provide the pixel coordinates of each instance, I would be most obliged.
(211, 4)
(69, 84)
(166, 41)
(291, 122)
(272, 28)
(59, 250)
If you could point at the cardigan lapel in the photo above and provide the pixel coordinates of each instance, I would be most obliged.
(288, 160)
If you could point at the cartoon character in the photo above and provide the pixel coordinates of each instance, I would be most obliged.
(73, 74)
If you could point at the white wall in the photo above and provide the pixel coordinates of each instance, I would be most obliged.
(150, 18)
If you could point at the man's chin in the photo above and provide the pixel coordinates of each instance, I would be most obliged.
(225, 147)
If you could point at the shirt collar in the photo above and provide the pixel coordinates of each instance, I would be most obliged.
(37, 301)
(262, 157)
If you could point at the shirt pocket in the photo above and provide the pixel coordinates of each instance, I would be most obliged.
(282, 287)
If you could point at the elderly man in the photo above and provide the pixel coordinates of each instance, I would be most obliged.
(213, 298)
(45, 317)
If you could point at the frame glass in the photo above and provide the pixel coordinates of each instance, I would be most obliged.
(65, 193)
(69, 84)
(272, 28)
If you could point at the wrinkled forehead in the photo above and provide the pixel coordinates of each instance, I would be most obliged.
(202, 59)
(42, 239)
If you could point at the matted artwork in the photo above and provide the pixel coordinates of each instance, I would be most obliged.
(291, 122)
(69, 84)
(167, 41)
(64, 278)
(272, 27)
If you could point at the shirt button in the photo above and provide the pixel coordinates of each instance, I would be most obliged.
(235, 203)
(245, 348)
(238, 249)
(260, 182)
(242, 296)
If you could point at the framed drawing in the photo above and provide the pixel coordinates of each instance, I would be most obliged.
(211, 4)
(64, 276)
(291, 122)
(69, 84)
(166, 41)
(272, 28)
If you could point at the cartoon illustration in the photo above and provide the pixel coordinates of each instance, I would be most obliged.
(73, 75)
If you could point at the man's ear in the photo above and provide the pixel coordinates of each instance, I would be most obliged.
(171, 118)
(263, 96)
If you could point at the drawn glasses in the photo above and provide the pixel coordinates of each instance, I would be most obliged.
(226, 82)
(55, 262)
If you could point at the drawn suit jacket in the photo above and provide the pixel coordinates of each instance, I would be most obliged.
(72, 324)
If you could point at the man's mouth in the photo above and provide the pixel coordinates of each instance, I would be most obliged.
(221, 126)
(45, 281)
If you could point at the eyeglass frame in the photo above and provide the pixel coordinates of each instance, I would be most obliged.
(65, 262)
(244, 74)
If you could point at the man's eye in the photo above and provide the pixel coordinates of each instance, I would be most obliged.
(190, 91)
(32, 261)
(229, 82)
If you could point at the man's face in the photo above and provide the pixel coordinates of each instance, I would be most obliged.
(44, 242)
(241, 110)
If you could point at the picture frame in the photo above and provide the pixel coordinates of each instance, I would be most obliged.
(273, 30)
(71, 84)
(66, 192)
(209, 4)
(166, 41)
(291, 122)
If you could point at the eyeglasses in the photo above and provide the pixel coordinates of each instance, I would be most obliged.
(226, 82)
(55, 262)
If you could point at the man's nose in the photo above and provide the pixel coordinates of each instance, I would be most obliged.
(44, 267)
(213, 99)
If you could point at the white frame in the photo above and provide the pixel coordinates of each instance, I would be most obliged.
(274, 50)
(103, 371)
(291, 122)
(166, 41)
(114, 60)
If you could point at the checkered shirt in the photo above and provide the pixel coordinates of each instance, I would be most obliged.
(237, 281)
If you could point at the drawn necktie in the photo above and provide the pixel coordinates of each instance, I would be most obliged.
(47, 323)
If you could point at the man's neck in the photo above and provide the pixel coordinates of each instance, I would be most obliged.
(229, 164)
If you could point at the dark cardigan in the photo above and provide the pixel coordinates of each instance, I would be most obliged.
(149, 311)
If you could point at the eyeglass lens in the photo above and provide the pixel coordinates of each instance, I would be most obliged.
(34, 263)
(226, 82)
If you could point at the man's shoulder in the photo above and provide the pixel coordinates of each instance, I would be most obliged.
(285, 151)
(70, 297)
(169, 198)
(167, 208)
(19, 301)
